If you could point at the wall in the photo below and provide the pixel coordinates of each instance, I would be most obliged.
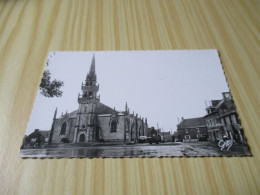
(106, 133)
(193, 132)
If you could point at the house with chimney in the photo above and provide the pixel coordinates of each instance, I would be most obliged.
(222, 120)
(190, 130)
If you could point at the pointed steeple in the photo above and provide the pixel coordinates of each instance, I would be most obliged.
(90, 87)
(91, 76)
(126, 108)
(92, 67)
(52, 127)
(55, 114)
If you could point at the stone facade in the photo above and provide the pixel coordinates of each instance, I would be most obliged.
(192, 129)
(166, 136)
(222, 120)
(93, 121)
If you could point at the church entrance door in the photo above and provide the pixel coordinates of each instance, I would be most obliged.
(82, 138)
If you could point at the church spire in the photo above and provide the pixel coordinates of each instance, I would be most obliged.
(126, 108)
(91, 76)
(90, 88)
(92, 67)
(55, 114)
(52, 127)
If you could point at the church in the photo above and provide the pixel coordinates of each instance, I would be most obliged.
(94, 121)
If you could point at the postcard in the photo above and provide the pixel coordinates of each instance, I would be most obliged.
(172, 103)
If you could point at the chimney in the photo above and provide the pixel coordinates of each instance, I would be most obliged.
(226, 96)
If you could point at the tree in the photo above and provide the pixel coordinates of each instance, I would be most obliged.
(50, 88)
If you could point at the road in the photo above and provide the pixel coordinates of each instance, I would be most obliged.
(137, 150)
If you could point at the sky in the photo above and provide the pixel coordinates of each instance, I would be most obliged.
(158, 85)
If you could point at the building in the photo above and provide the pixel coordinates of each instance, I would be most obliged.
(166, 136)
(94, 121)
(176, 137)
(191, 129)
(36, 139)
(222, 120)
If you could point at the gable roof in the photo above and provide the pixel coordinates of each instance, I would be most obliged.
(44, 133)
(39, 133)
(192, 122)
(215, 102)
(219, 104)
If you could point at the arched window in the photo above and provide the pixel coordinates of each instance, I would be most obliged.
(113, 126)
(127, 125)
(63, 128)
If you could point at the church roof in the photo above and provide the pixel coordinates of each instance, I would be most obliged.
(101, 109)
(73, 114)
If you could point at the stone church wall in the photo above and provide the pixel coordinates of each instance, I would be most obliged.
(70, 128)
(56, 132)
(106, 133)
(72, 124)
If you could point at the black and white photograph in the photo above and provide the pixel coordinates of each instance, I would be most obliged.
(101, 104)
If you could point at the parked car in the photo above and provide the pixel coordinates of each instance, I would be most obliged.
(142, 139)
(155, 139)
(203, 138)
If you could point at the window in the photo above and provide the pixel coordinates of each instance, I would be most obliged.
(198, 130)
(227, 120)
(63, 128)
(214, 122)
(233, 119)
(186, 130)
(199, 135)
(113, 126)
(222, 121)
(187, 137)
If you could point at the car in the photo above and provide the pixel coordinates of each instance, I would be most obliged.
(142, 139)
(155, 139)
(203, 138)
